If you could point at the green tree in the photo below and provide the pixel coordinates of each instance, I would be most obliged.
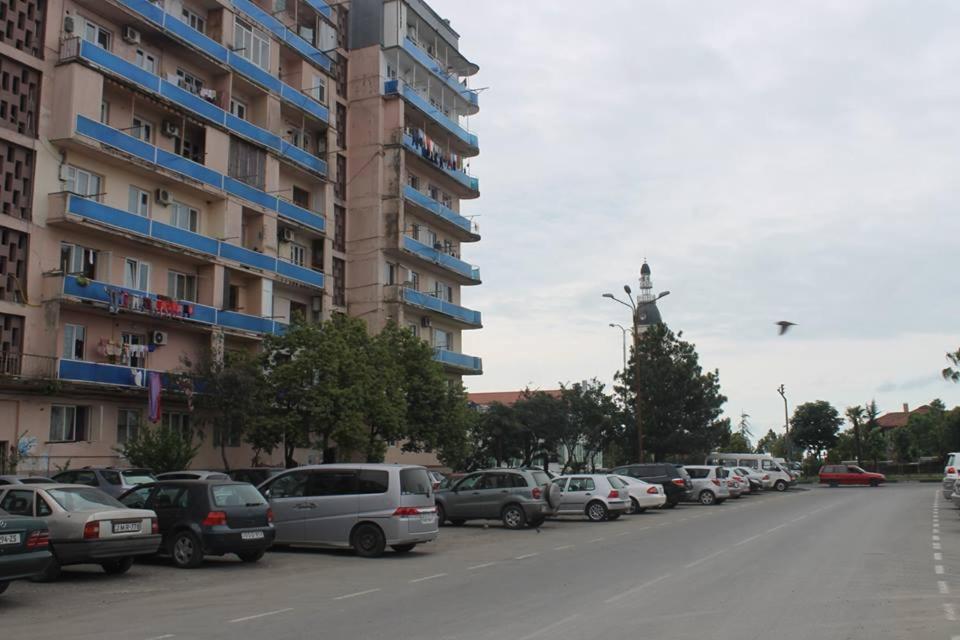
(952, 372)
(814, 426)
(929, 430)
(497, 437)
(904, 445)
(543, 418)
(773, 443)
(591, 423)
(856, 415)
(160, 449)
(874, 440)
(737, 443)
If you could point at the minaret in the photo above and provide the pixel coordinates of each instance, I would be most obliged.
(647, 310)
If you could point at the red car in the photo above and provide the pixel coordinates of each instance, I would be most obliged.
(837, 474)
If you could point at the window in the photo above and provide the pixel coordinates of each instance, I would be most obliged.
(369, 481)
(233, 298)
(135, 353)
(289, 485)
(238, 108)
(318, 89)
(128, 425)
(136, 274)
(77, 260)
(414, 482)
(184, 216)
(236, 495)
(413, 181)
(414, 329)
(82, 182)
(698, 474)
(581, 484)
(301, 197)
(252, 44)
(104, 112)
(92, 32)
(179, 422)
(434, 192)
(331, 483)
(442, 339)
(137, 499)
(74, 335)
(169, 497)
(443, 291)
(146, 61)
(298, 253)
(18, 502)
(470, 482)
(770, 465)
(194, 20)
(339, 282)
(181, 286)
(68, 424)
(415, 280)
(138, 202)
(391, 273)
(446, 200)
(430, 238)
(142, 128)
(517, 481)
(188, 81)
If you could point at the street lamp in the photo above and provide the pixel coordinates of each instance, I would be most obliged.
(624, 330)
(635, 307)
(786, 421)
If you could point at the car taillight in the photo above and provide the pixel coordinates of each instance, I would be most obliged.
(38, 540)
(652, 490)
(613, 494)
(678, 481)
(154, 526)
(738, 478)
(766, 477)
(536, 493)
(716, 482)
(269, 516)
(951, 470)
(91, 530)
(214, 519)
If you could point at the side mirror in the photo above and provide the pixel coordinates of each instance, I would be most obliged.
(266, 493)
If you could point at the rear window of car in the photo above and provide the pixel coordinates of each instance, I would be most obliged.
(137, 477)
(540, 478)
(112, 477)
(616, 482)
(86, 499)
(415, 482)
(698, 473)
(235, 495)
(373, 481)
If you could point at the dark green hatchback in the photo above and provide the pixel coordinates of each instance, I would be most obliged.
(24, 548)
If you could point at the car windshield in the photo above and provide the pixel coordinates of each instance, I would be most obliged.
(83, 499)
(137, 477)
(236, 495)
(415, 482)
(36, 480)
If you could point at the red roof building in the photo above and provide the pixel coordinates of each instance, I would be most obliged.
(505, 397)
(895, 419)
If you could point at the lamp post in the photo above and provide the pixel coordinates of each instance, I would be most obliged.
(635, 307)
(624, 330)
(786, 422)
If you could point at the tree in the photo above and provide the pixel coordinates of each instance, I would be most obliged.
(929, 430)
(904, 445)
(160, 449)
(497, 438)
(680, 405)
(737, 443)
(590, 425)
(952, 372)
(773, 443)
(874, 441)
(814, 426)
(855, 415)
(542, 418)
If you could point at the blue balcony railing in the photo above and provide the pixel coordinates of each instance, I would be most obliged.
(148, 153)
(107, 374)
(413, 97)
(426, 202)
(468, 364)
(427, 301)
(467, 181)
(433, 65)
(438, 257)
(280, 30)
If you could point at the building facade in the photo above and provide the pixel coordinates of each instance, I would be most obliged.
(175, 181)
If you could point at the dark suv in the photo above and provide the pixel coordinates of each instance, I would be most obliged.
(674, 480)
(110, 480)
(519, 497)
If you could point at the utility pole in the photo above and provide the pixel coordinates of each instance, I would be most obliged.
(786, 422)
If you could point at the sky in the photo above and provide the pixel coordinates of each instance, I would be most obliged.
(772, 161)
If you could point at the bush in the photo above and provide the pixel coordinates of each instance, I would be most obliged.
(160, 449)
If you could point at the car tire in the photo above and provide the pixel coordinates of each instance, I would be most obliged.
(670, 505)
(402, 548)
(368, 541)
(459, 522)
(117, 566)
(613, 516)
(51, 573)
(874, 483)
(513, 517)
(186, 551)
(634, 507)
(441, 515)
(536, 522)
(707, 497)
(596, 511)
(251, 556)
(552, 494)
(4, 585)
(780, 485)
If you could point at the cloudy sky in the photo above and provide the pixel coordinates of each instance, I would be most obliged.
(772, 160)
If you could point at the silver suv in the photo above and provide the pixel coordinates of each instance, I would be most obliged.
(518, 497)
(708, 485)
(599, 497)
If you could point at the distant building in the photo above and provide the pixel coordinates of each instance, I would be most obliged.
(649, 313)
(895, 419)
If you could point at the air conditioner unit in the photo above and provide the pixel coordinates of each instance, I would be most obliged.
(170, 129)
(163, 197)
(131, 35)
(68, 24)
(424, 321)
(159, 338)
(286, 234)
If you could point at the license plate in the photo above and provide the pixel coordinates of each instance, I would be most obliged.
(126, 527)
(428, 518)
(251, 535)
(10, 538)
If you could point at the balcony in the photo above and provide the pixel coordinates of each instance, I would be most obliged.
(125, 71)
(459, 362)
(106, 374)
(282, 33)
(148, 153)
(148, 228)
(447, 214)
(471, 184)
(431, 303)
(183, 33)
(412, 96)
(438, 257)
(433, 65)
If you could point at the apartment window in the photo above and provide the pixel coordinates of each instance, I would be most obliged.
(446, 200)
(339, 228)
(188, 81)
(298, 254)
(179, 422)
(181, 286)
(238, 108)
(146, 61)
(318, 89)
(233, 298)
(415, 280)
(340, 186)
(415, 231)
(78, 261)
(68, 423)
(391, 273)
(143, 129)
(82, 182)
(443, 291)
(301, 197)
(135, 353)
(247, 163)
(194, 20)
(92, 32)
(430, 238)
(414, 328)
(341, 126)
(104, 112)
(136, 274)
(252, 44)
(138, 202)
(339, 282)
(74, 336)
(128, 425)
(434, 192)
(413, 181)
(442, 339)
(184, 217)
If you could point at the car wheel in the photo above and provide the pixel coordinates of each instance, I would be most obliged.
(597, 511)
(707, 497)
(4, 586)
(781, 485)
(368, 541)
(513, 517)
(185, 550)
(670, 505)
(251, 556)
(117, 566)
(536, 522)
(403, 548)
(874, 483)
(51, 573)
(634, 507)
(834, 485)
(613, 516)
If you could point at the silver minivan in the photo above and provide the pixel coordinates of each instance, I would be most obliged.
(364, 506)
(709, 487)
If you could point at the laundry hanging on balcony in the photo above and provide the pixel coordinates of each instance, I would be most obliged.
(433, 152)
(153, 396)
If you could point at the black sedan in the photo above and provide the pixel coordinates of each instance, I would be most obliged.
(24, 548)
(206, 517)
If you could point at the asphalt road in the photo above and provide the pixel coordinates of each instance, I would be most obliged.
(812, 563)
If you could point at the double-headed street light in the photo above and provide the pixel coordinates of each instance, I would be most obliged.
(624, 330)
(635, 307)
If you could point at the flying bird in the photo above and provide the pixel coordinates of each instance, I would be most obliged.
(785, 325)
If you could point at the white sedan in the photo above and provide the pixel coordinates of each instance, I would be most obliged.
(643, 495)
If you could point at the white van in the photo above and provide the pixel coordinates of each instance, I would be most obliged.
(780, 477)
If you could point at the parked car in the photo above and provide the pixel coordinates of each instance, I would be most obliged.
(518, 497)
(643, 495)
(192, 475)
(206, 517)
(597, 496)
(113, 482)
(708, 486)
(255, 475)
(25, 480)
(363, 506)
(735, 482)
(849, 474)
(780, 475)
(674, 480)
(24, 548)
(86, 525)
(951, 473)
(758, 480)
(437, 478)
